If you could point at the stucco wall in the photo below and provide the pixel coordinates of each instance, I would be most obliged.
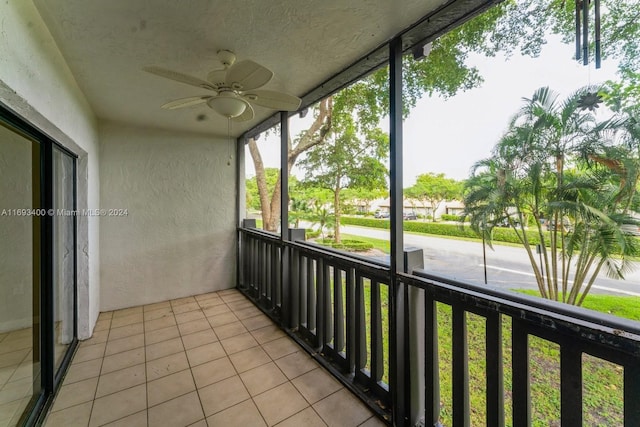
(178, 237)
(36, 83)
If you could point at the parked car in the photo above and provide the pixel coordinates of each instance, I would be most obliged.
(408, 216)
(567, 227)
(504, 222)
(381, 214)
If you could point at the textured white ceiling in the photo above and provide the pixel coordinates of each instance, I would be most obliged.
(107, 42)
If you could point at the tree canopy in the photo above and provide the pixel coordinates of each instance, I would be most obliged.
(511, 26)
(431, 189)
(348, 160)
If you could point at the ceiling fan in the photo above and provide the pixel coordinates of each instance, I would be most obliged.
(234, 89)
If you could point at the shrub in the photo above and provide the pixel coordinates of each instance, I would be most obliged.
(449, 217)
(440, 229)
(312, 234)
(347, 245)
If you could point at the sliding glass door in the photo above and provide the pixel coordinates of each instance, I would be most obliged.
(37, 269)
(19, 275)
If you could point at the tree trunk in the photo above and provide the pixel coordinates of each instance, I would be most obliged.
(313, 136)
(274, 215)
(261, 180)
(336, 207)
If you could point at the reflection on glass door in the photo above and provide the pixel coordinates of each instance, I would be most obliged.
(63, 254)
(19, 275)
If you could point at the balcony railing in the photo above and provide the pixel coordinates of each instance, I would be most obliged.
(338, 307)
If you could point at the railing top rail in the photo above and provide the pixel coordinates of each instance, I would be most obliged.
(268, 235)
(372, 266)
(547, 313)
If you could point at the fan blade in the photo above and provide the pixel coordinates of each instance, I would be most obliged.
(275, 100)
(247, 75)
(186, 102)
(179, 77)
(248, 114)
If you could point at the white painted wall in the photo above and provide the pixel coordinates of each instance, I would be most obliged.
(179, 237)
(36, 83)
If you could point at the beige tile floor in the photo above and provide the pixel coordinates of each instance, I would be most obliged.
(16, 374)
(16, 371)
(208, 360)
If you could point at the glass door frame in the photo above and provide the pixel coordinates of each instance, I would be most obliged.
(43, 283)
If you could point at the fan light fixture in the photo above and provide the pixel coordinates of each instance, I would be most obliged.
(227, 104)
(233, 90)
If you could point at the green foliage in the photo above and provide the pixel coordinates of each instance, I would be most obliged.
(557, 163)
(350, 245)
(322, 217)
(349, 159)
(311, 234)
(432, 189)
(438, 229)
(449, 217)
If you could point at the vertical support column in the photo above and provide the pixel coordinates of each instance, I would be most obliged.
(414, 259)
(241, 208)
(398, 344)
(241, 199)
(285, 234)
(284, 174)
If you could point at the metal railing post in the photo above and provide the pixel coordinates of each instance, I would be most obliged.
(290, 283)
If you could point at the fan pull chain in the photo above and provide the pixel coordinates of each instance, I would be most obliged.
(229, 141)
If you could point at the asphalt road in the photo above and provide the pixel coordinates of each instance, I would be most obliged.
(506, 266)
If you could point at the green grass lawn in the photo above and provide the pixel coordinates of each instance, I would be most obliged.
(602, 381)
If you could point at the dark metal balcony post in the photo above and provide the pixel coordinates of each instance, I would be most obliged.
(570, 384)
(398, 354)
(631, 393)
(291, 284)
(495, 373)
(285, 278)
(321, 270)
(520, 374)
(284, 174)
(241, 252)
(432, 363)
(460, 350)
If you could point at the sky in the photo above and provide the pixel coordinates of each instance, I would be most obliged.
(449, 135)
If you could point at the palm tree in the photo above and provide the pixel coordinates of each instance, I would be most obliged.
(323, 218)
(554, 163)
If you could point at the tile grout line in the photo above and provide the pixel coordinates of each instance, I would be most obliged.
(95, 392)
(193, 378)
(240, 378)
